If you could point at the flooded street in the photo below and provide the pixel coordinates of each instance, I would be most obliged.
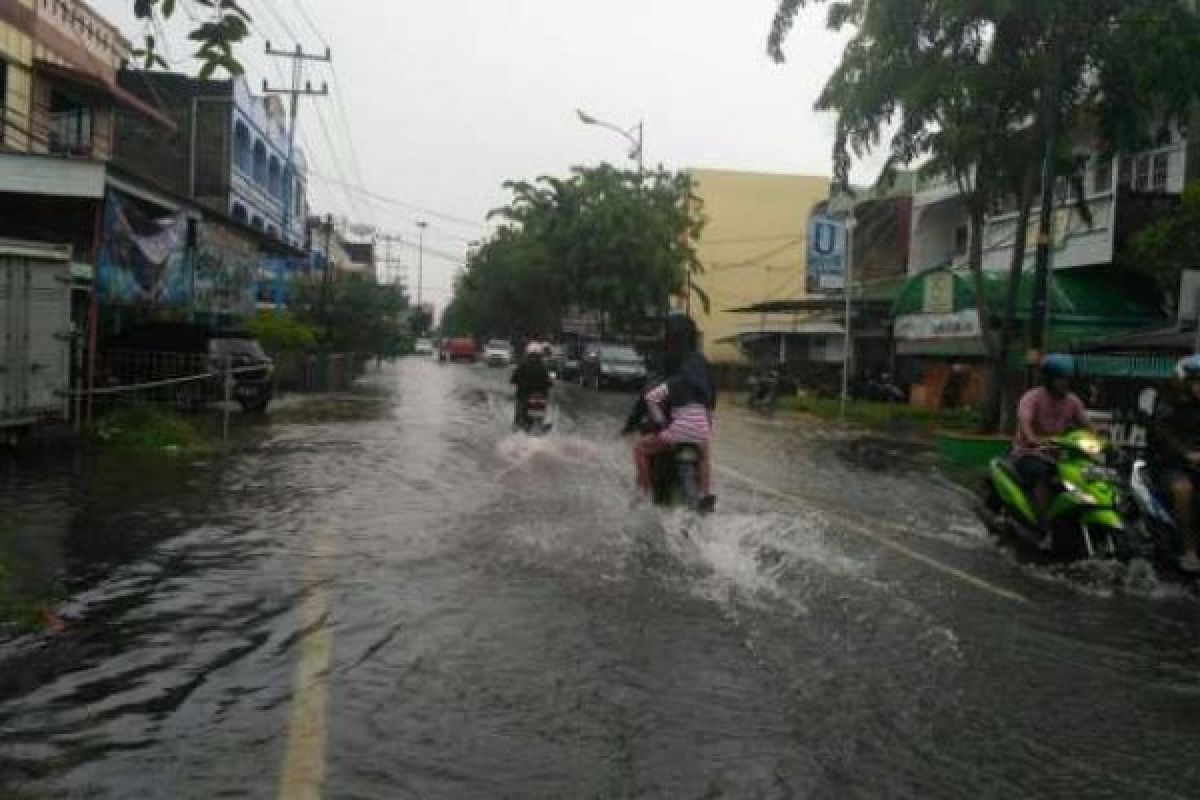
(409, 601)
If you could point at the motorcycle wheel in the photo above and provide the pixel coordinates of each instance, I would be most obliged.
(689, 482)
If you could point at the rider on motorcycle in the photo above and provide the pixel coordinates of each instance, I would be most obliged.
(531, 378)
(681, 407)
(1175, 444)
(1044, 413)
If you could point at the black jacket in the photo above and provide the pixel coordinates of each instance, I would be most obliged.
(531, 377)
(1174, 433)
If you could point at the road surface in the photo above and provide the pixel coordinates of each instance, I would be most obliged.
(402, 599)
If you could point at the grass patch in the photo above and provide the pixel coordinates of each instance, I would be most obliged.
(883, 415)
(145, 429)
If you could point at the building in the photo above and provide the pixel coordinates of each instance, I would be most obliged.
(58, 68)
(806, 333)
(230, 154)
(752, 251)
(1092, 295)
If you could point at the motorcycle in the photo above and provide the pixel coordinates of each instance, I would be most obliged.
(1153, 519)
(533, 415)
(1084, 520)
(676, 474)
(764, 393)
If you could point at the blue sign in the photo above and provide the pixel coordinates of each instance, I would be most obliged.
(826, 254)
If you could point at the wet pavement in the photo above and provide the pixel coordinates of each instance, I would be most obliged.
(402, 599)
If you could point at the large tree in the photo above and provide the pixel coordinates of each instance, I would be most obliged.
(602, 239)
(971, 90)
(221, 25)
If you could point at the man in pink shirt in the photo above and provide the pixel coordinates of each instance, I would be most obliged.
(1046, 412)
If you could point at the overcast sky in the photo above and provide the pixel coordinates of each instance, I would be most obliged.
(443, 100)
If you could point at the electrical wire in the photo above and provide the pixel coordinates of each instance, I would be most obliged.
(392, 201)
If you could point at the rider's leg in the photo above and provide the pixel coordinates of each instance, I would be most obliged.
(645, 448)
(1183, 496)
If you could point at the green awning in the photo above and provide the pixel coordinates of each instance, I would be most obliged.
(1085, 303)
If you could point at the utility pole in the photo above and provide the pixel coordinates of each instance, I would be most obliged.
(421, 226)
(393, 266)
(1045, 240)
(296, 91)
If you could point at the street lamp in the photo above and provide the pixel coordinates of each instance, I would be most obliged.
(848, 273)
(635, 135)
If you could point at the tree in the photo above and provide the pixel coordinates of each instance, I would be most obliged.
(226, 25)
(602, 239)
(353, 314)
(969, 88)
(1168, 246)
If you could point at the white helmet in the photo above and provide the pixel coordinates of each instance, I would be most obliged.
(534, 349)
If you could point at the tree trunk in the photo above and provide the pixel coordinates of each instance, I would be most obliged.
(990, 412)
(1005, 402)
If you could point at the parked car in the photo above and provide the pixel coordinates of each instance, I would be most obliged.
(163, 351)
(423, 347)
(556, 361)
(498, 353)
(567, 364)
(461, 349)
(606, 364)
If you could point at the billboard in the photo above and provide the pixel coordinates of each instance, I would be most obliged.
(142, 260)
(826, 254)
(145, 261)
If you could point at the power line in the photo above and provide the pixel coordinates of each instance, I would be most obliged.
(382, 198)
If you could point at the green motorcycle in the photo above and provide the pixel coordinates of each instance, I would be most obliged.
(1084, 520)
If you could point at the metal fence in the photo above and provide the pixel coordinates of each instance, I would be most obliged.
(183, 381)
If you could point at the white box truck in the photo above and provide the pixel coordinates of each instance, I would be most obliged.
(35, 332)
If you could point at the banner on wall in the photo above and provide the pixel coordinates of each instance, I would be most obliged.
(826, 254)
(142, 259)
(226, 271)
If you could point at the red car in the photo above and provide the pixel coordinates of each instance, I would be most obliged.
(461, 349)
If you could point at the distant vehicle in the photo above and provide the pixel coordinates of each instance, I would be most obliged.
(423, 347)
(605, 365)
(567, 361)
(556, 361)
(460, 349)
(498, 353)
(165, 350)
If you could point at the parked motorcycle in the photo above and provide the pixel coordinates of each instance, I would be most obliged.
(1084, 520)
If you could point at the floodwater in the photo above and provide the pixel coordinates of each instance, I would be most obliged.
(403, 599)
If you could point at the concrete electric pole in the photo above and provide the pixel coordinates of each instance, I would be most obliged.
(296, 91)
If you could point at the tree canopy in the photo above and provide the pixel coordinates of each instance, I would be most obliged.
(220, 26)
(602, 239)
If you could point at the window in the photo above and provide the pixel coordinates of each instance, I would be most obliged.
(1103, 176)
(3, 97)
(1162, 164)
(243, 154)
(274, 178)
(257, 223)
(70, 126)
(260, 163)
(239, 214)
(298, 201)
(1141, 176)
(962, 239)
(1126, 176)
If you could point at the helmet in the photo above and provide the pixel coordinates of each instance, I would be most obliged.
(1058, 365)
(534, 349)
(1188, 368)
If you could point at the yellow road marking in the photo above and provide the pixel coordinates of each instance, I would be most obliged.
(891, 544)
(303, 774)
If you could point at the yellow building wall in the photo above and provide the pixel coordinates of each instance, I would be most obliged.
(16, 48)
(752, 249)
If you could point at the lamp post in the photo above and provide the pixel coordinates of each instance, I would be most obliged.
(421, 226)
(636, 136)
(848, 343)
